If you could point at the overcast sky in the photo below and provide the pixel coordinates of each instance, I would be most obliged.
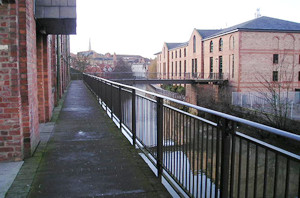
(142, 26)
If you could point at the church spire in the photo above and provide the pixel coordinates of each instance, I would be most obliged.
(90, 45)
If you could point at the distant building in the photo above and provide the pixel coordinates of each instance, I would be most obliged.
(139, 69)
(264, 47)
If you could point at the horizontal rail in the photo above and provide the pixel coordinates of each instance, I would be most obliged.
(220, 114)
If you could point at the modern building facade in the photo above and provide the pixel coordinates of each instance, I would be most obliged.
(34, 69)
(248, 54)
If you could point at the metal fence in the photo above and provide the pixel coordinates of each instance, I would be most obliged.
(200, 157)
(287, 102)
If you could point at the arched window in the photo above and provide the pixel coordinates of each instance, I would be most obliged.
(175, 54)
(180, 53)
(184, 52)
(211, 48)
(231, 43)
(221, 44)
(194, 44)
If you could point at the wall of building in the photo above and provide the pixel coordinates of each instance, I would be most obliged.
(257, 49)
(27, 79)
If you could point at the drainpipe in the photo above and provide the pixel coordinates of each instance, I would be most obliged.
(58, 67)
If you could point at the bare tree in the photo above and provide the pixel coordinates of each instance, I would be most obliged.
(81, 63)
(153, 69)
(122, 70)
(275, 92)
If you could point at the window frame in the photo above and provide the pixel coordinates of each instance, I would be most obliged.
(221, 45)
(275, 58)
(211, 46)
(275, 76)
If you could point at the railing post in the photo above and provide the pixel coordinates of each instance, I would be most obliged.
(133, 118)
(120, 107)
(160, 117)
(111, 101)
(226, 128)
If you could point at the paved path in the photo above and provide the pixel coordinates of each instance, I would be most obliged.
(87, 156)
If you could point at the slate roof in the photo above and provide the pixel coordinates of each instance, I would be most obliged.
(206, 33)
(176, 45)
(263, 24)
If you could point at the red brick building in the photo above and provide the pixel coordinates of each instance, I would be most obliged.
(261, 49)
(34, 69)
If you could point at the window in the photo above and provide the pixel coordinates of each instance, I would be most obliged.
(172, 69)
(194, 44)
(232, 66)
(172, 55)
(275, 58)
(211, 64)
(211, 49)
(221, 44)
(179, 68)
(175, 54)
(275, 75)
(231, 43)
(299, 59)
(176, 68)
(184, 52)
(180, 53)
(196, 65)
(193, 66)
(184, 66)
(299, 76)
(220, 64)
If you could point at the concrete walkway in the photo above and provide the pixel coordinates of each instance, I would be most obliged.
(87, 156)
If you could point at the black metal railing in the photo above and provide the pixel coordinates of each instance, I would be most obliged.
(169, 76)
(217, 157)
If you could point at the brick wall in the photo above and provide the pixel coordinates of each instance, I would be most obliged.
(11, 131)
(28, 79)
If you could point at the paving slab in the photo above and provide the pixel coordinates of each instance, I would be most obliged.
(8, 173)
(87, 156)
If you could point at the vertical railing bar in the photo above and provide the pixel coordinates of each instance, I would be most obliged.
(240, 168)
(177, 144)
(287, 178)
(133, 99)
(275, 176)
(160, 116)
(183, 147)
(120, 107)
(180, 146)
(190, 152)
(247, 170)
(265, 174)
(212, 161)
(206, 161)
(255, 171)
(193, 171)
(172, 139)
(232, 168)
(217, 162)
(198, 142)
